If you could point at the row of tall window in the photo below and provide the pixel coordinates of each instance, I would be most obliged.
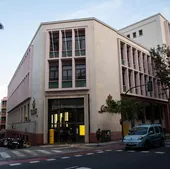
(20, 114)
(132, 78)
(136, 59)
(66, 45)
(67, 74)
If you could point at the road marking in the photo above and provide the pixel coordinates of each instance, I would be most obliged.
(144, 151)
(108, 150)
(19, 154)
(4, 155)
(65, 157)
(71, 167)
(33, 162)
(44, 151)
(131, 151)
(30, 152)
(83, 168)
(56, 151)
(97, 150)
(78, 155)
(89, 154)
(60, 148)
(160, 152)
(15, 164)
(46, 146)
(51, 159)
(100, 152)
(119, 150)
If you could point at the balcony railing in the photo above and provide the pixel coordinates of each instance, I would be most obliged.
(81, 52)
(66, 53)
(80, 83)
(54, 54)
(53, 84)
(67, 84)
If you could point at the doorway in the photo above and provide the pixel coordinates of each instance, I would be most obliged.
(66, 116)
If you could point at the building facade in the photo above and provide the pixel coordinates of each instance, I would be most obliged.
(149, 32)
(3, 113)
(66, 74)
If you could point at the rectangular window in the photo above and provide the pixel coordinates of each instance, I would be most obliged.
(28, 110)
(53, 77)
(54, 44)
(134, 34)
(80, 44)
(128, 36)
(156, 129)
(81, 71)
(134, 59)
(67, 76)
(128, 55)
(123, 80)
(140, 32)
(66, 43)
(80, 75)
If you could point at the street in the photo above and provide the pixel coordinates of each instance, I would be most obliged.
(156, 158)
(101, 160)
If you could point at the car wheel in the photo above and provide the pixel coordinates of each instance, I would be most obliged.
(146, 145)
(162, 143)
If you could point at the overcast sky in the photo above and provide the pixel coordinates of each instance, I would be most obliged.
(21, 18)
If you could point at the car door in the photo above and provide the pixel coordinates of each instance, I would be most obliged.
(151, 135)
(157, 135)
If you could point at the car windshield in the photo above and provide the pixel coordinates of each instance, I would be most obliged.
(138, 131)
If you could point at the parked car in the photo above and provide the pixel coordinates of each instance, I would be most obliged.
(145, 136)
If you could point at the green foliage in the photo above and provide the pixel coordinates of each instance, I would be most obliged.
(1, 26)
(161, 64)
(129, 107)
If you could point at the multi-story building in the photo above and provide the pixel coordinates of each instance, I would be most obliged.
(66, 74)
(3, 113)
(149, 32)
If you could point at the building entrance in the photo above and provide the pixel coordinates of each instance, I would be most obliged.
(66, 116)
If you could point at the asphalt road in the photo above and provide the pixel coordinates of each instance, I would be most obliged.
(108, 159)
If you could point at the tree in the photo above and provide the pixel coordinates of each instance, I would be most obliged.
(1, 26)
(129, 108)
(161, 66)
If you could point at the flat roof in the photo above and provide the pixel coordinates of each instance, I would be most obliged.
(158, 14)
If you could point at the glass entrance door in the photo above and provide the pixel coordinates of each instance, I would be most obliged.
(65, 117)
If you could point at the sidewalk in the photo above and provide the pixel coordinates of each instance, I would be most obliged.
(83, 145)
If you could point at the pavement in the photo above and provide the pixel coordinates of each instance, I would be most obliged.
(91, 157)
(100, 158)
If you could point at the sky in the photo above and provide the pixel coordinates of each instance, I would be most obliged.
(21, 19)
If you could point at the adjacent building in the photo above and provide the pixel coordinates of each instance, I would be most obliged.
(149, 32)
(66, 74)
(3, 113)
